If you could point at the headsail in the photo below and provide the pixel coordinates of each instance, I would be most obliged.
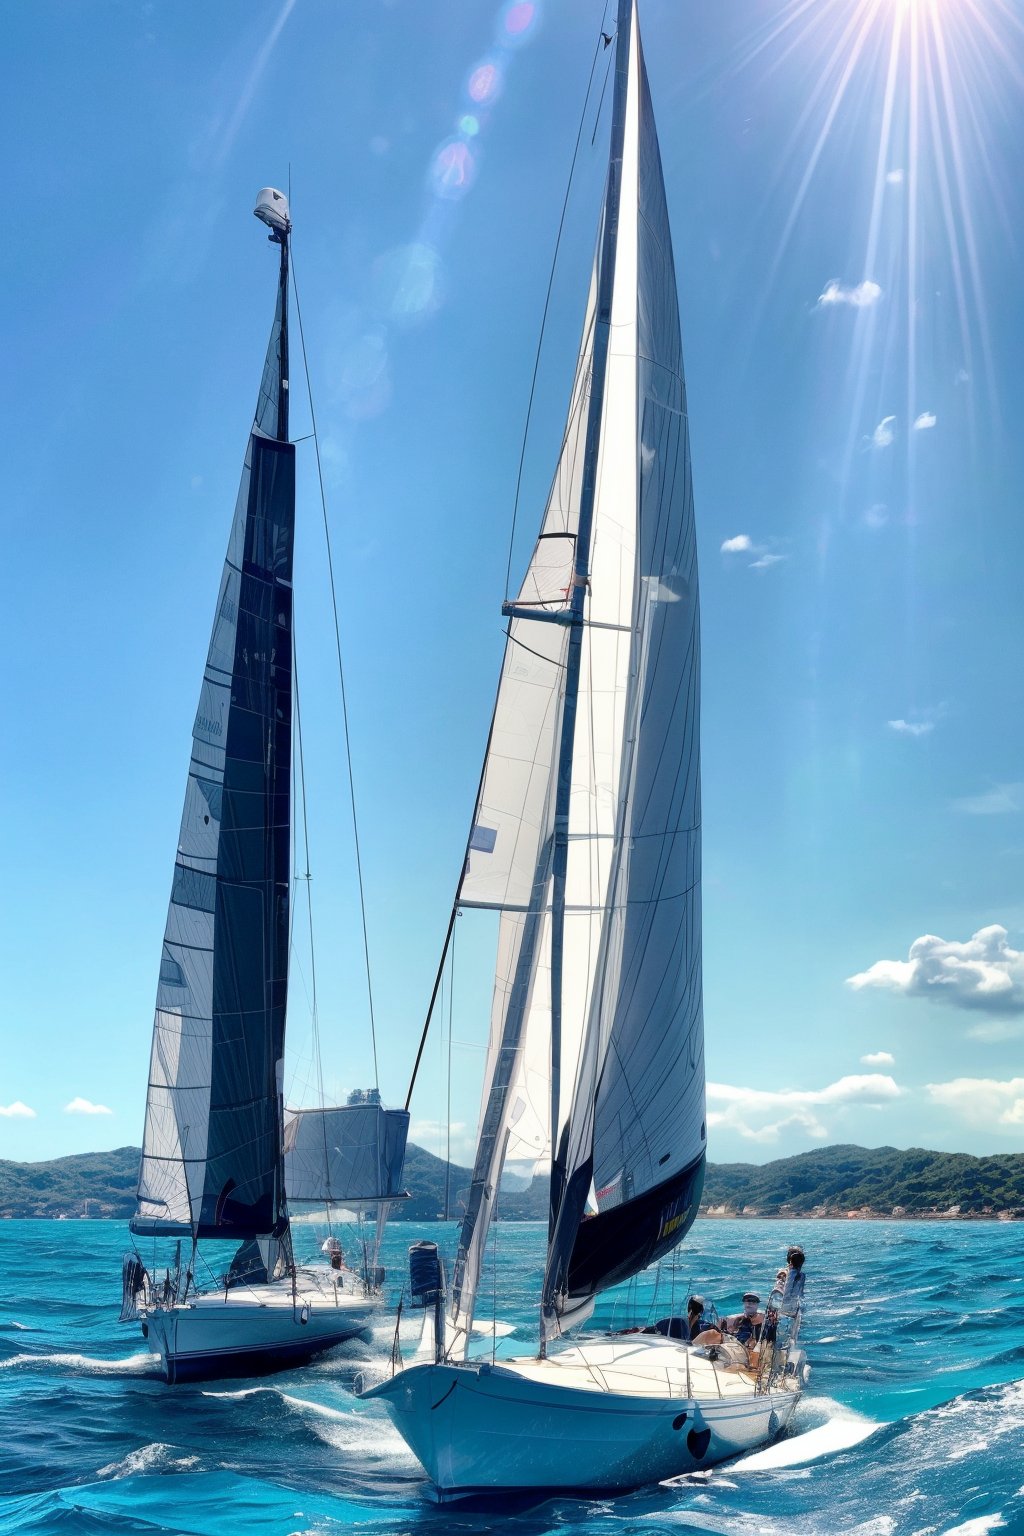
(587, 828)
(212, 1158)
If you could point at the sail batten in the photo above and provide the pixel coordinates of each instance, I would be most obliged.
(212, 1161)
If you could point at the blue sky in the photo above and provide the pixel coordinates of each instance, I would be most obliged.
(846, 204)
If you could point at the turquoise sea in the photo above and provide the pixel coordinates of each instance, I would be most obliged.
(913, 1421)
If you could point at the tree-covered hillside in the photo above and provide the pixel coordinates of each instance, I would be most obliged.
(825, 1181)
(848, 1178)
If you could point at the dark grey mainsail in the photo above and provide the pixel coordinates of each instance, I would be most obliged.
(212, 1149)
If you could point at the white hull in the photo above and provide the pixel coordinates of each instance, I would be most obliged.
(254, 1329)
(607, 1415)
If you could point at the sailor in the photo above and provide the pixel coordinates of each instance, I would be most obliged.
(332, 1247)
(741, 1326)
(744, 1325)
(685, 1328)
(793, 1291)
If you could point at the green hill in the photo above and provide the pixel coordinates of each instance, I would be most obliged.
(106, 1180)
(828, 1181)
(879, 1180)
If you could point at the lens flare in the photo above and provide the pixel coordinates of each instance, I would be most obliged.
(365, 383)
(485, 83)
(453, 170)
(518, 20)
(469, 125)
(407, 282)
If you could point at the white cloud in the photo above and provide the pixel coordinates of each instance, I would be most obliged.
(983, 1101)
(924, 421)
(877, 516)
(1000, 800)
(879, 1059)
(737, 545)
(766, 562)
(859, 297)
(995, 1031)
(983, 973)
(885, 433)
(432, 1135)
(962, 376)
(86, 1107)
(17, 1111)
(750, 1111)
(911, 727)
(894, 177)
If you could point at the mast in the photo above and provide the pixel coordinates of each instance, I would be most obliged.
(580, 578)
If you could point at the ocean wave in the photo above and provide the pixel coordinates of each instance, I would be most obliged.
(88, 1365)
(364, 1432)
(13, 1327)
(157, 1457)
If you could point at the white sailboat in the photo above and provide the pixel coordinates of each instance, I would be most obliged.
(586, 840)
(220, 1158)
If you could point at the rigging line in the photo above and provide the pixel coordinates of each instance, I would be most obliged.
(341, 678)
(597, 119)
(547, 299)
(317, 1056)
(448, 1150)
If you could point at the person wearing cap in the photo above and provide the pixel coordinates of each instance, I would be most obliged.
(744, 1325)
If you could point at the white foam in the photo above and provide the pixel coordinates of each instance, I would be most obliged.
(237, 1396)
(146, 1459)
(812, 1445)
(88, 1365)
(979, 1526)
(841, 1429)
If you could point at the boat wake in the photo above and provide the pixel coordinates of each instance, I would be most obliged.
(365, 1433)
(810, 1441)
(905, 1473)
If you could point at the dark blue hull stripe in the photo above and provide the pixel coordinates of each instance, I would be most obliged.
(245, 1361)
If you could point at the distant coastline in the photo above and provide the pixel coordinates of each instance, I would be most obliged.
(838, 1183)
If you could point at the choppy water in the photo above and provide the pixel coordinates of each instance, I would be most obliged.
(914, 1421)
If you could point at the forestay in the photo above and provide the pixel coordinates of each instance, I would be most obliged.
(211, 1161)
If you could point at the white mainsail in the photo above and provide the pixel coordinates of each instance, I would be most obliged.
(578, 950)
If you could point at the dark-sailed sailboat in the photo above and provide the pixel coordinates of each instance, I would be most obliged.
(586, 839)
(219, 1158)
